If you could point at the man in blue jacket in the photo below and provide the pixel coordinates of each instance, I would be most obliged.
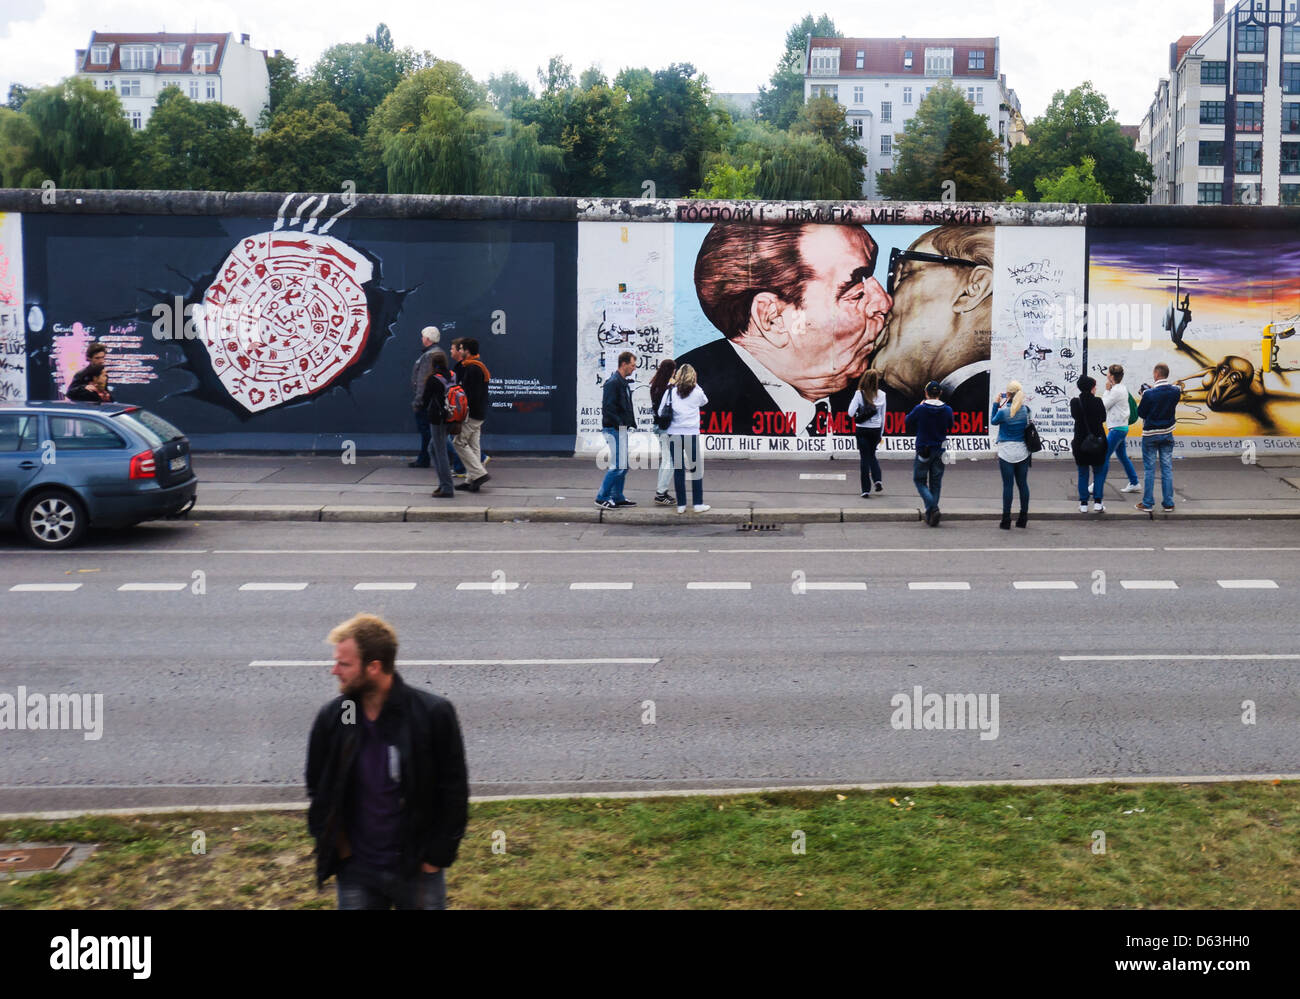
(1156, 409)
(617, 416)
(931, 422)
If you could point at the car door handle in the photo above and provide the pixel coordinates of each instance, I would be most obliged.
(27, 464)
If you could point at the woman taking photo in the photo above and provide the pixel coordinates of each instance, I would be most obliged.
(686, 398)
(867, 410)
(1011, 416)
(658, 386)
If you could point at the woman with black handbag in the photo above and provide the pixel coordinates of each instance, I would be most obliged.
(659, 385)
(1011, 417)
(867, 410)
(1089, 444)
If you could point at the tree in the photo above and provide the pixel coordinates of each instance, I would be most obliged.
(779, 102)
(505, 89)
(826, 118)
(729, 183)
(17, 96)
(283, 72)
(790, 167)
(1075, 185)
(17, 142)
(78, 138)
(306, 150)
(945, 141)
(557, 76)
(356, 79)
(195, 146)
(671, 128)
(1078, 124)
(382, 39)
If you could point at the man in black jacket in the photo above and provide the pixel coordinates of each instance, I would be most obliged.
(617, 416)
(96, 354)
(386, 777)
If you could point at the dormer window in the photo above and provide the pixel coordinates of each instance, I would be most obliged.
(100, 54)
(171, 54)
(907, 59)
(204, 56)
(825, 62)
(136, 57)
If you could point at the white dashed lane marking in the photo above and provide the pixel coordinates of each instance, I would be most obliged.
(719, 586)
(938, 586)
(490, 587)
(1148, 584)
(44, 587)
(384, 587)
(1046, 584)
(273, 587)
(600, 586)
(1248, 584)
(151, 587)
(835, 587)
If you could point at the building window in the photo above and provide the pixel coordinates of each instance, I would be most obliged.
(1214, 72)
(139, 57)
(1246, 194)
(1291, 117)
(1251, 38)
(1211, 154)
(1250, 157)
(979, 95)
(825, 62)
(1291, 78)
(857, 127)
(1212, 112)
(938, 62)
(826, 90)
(194, 90)
(886, 145)
(171, 55)
(1291, 41)
(976, 61)
(1209, 194)
(1291, 157)
(212, 90)
(862, 57)
(136, 119)
(857, 96)
(907, 59)
(109, 85)
(1250, 77)
(886, 111)
(907, 95)
(130, 88)
(1250, 116)
(1290, 194)
(100, 54)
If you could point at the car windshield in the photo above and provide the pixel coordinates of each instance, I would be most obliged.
(152, 428)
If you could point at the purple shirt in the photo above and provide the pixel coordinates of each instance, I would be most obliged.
(374, 823)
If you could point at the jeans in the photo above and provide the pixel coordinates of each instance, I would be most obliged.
(1098, 482)
(1159, 448)
(686, 462)
(868, 441)
(422, 424)
(665, 466)
(927, 473)
(611, 487)
(438, 452)
(1115, 444)
(385, 890)
(457, 465)
(467, 446)
(1019, 474)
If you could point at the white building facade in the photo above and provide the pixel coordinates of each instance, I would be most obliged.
(1226, 123)
(881, 82)
(206, 67)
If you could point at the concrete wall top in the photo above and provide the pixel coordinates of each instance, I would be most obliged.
(424, 206)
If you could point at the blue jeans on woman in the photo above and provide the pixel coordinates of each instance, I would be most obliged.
(1115, 444)
(1098, 482)
(1019, 474)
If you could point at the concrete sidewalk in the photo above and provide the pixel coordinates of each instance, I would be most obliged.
(313, 488)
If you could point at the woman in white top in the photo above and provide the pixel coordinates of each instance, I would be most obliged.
(1115, 399)
(686, 397)
(867, 410)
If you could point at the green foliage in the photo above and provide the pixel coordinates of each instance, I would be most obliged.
(78, 138)
(826, 118)
(670, 129)
(505, 89)
(945, 141)
(780, 101)
(194, 146)
(283, 71)
(1075, 185)
(356, 78)
(307, 150)
(382, 39)
(1018, 199)
(729, 183)
(794, 167)
(557, 76)
(1078, 124)
(17, 96)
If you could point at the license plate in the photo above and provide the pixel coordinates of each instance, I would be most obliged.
(178, 463)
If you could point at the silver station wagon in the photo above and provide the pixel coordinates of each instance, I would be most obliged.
(67, 466)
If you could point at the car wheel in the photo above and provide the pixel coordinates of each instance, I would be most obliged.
(53, 519)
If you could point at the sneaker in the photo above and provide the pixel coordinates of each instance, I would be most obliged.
(934, 518)
(1083, 507)
(880, 487)
(663, 499)
(681, 509)
(605, 504)
(475, 484)
(458, 475)
(1099, 507)
(440, 494)
(866, 495)
(1132, 487)
(417, 464)
(1167, 509)
(624, 502)
(486, 458)
(703, 508)
(1144, 508)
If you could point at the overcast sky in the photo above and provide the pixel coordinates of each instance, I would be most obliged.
(1121, 45)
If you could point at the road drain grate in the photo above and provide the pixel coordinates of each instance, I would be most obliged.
(42, 858)
(764, 528)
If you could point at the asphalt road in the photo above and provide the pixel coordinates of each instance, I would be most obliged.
(770, 659)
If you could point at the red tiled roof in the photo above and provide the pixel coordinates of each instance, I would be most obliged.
(884, 56)
(1185, 43)
(118, 39)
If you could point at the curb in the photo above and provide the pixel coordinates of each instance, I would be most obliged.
(649, 517)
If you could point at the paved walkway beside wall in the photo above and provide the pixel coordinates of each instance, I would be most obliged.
(241, 487)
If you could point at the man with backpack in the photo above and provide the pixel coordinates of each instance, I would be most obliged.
(474, 379)
(445, 407)
(429, 337)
